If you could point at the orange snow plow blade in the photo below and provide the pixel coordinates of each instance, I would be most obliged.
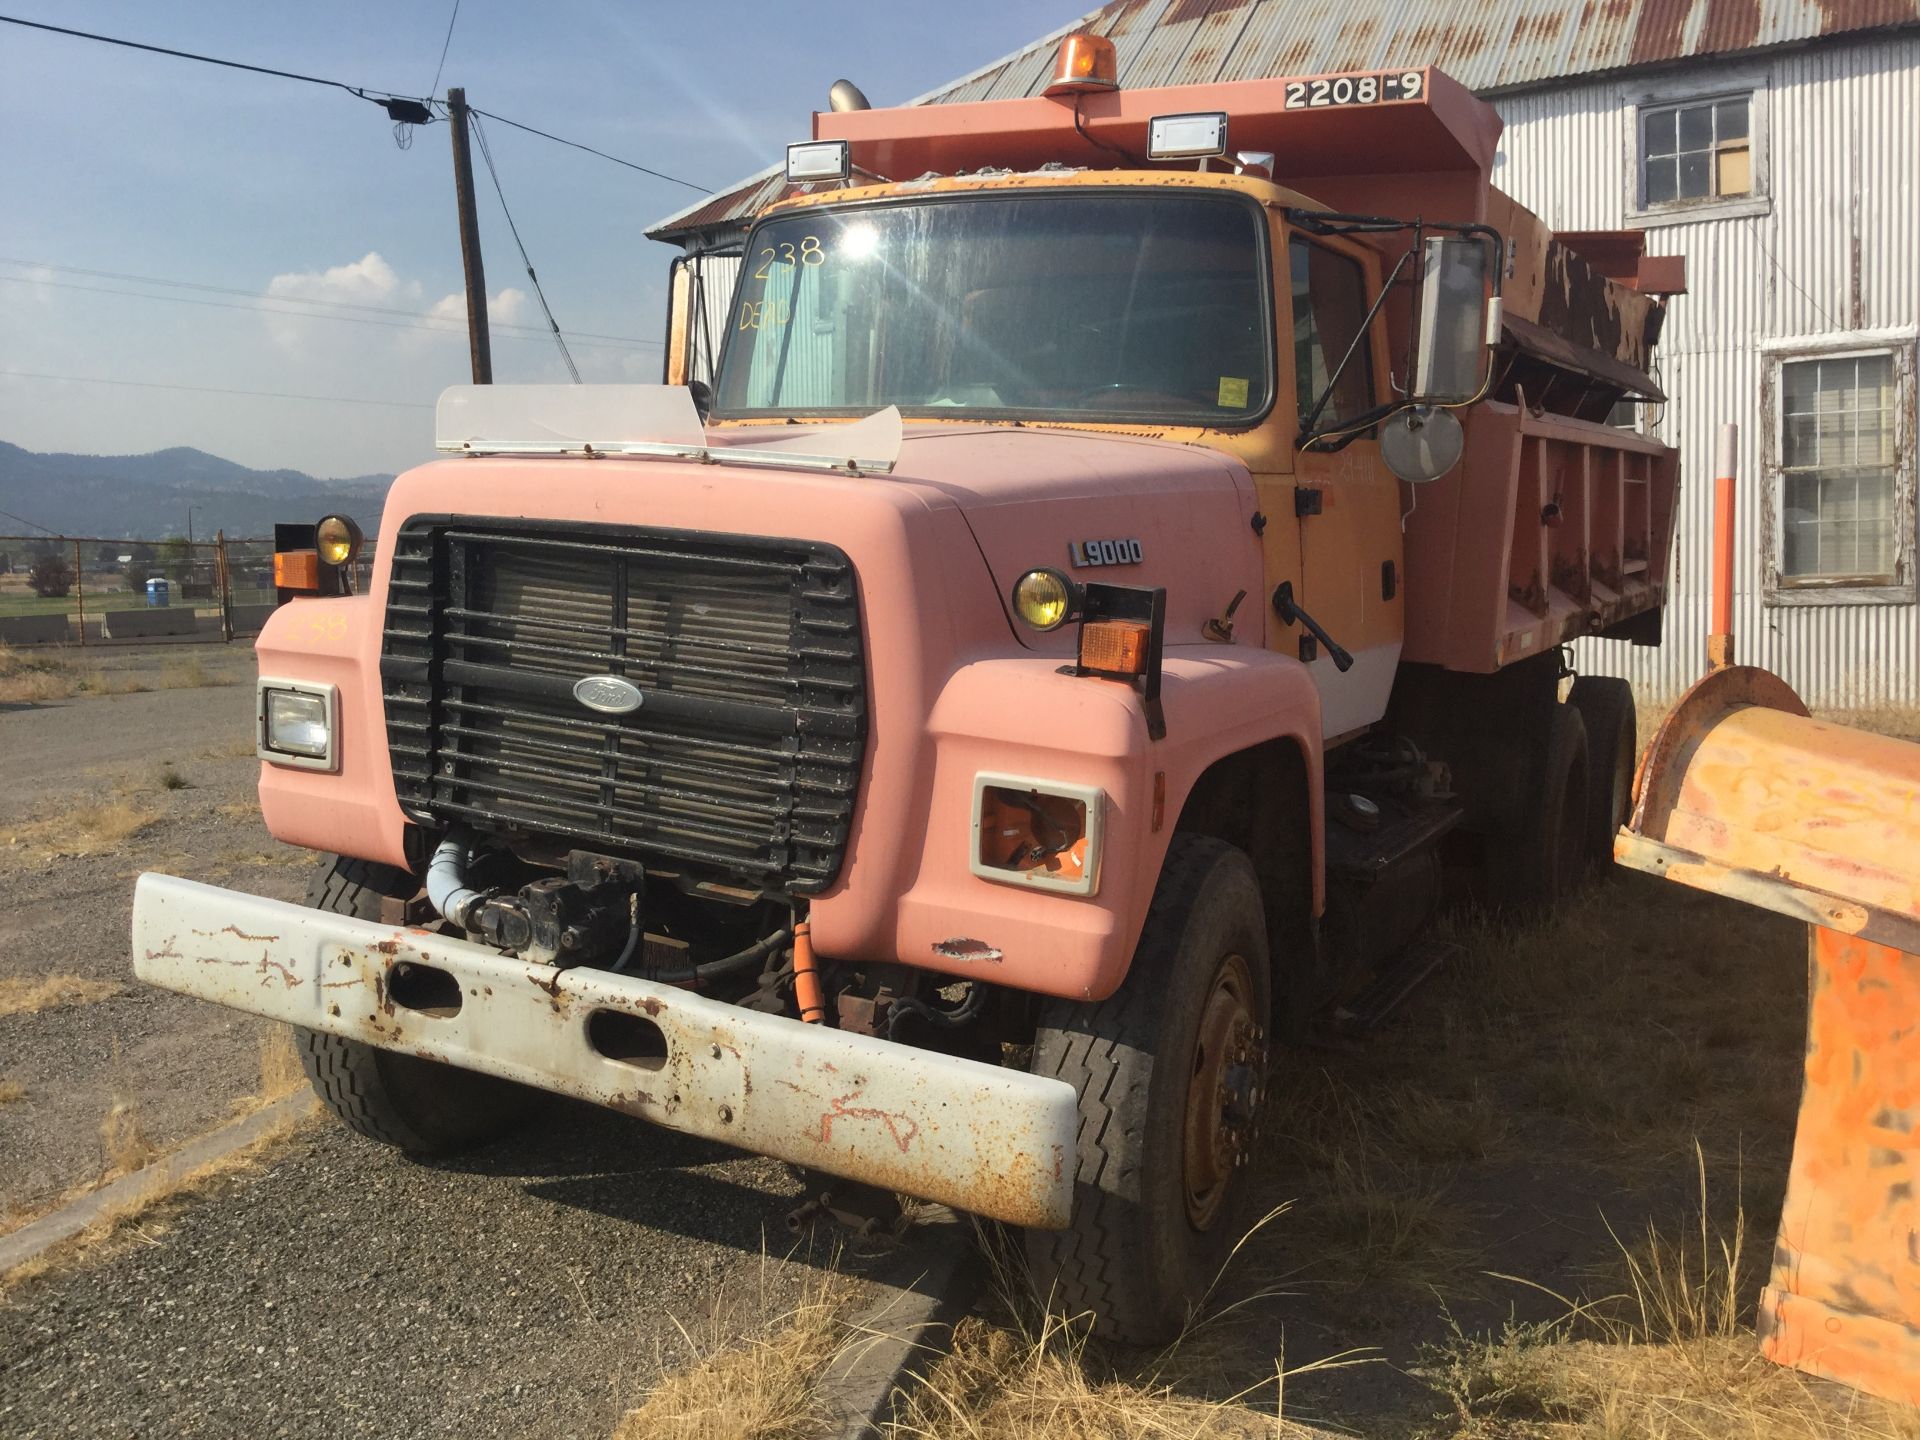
(1743, 794)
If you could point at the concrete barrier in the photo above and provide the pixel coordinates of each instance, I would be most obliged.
(251, 619)
(146, 624)
(34, 630)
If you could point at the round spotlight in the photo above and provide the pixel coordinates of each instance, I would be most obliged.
(1043, 598)
(338, 539)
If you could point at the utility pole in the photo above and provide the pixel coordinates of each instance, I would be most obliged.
(477, 337)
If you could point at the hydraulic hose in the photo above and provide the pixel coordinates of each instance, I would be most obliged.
(447, 888)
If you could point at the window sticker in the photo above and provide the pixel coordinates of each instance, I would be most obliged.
(1233, 393)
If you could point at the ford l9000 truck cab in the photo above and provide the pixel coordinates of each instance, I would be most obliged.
(1116, 589)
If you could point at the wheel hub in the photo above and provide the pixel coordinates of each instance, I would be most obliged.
(1223, 1093)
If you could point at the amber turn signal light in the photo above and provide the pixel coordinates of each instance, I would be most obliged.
(297, 570)
(1115, 647)
(1084, 62)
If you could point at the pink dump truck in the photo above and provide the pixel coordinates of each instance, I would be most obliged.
(1117, 586)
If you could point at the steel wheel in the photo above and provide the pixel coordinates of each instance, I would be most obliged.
(1223, 1092)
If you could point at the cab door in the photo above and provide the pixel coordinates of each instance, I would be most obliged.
(1348, 503)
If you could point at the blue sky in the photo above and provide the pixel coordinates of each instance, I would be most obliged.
(144, 165)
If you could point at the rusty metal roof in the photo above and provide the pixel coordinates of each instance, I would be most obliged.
(1487, 45)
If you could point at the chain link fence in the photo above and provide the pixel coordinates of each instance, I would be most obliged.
(60, 590)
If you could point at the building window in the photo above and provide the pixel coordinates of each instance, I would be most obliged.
(1699, 150)
(1843, 476)
(1696, 153)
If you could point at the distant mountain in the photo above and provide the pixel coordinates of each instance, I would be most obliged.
(146, 496)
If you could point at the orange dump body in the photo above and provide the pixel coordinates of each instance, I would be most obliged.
(1743, 794)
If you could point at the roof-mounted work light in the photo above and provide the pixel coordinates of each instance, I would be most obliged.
(1083, 63)
(818, 160)
(1187, 137)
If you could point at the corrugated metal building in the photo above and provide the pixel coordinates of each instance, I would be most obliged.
(1774, 143)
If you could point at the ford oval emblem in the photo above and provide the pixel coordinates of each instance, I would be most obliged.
(608, 694)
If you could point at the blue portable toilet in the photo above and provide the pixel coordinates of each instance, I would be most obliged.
(157, 592)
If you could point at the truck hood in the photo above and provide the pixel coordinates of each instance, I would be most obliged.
(1037, 497)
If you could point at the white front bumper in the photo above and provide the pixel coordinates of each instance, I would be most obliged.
(994, 1141)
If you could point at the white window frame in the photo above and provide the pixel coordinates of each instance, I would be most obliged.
(1778, 591)
(1662, 95)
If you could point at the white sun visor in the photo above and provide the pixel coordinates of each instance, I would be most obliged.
(643, 421)
(556, 419)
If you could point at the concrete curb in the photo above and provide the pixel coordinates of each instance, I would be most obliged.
(31, 1241)
(930, 1283)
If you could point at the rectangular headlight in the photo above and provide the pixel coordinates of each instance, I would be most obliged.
(297, 724)
(1044, 834)
(819, 160)
(1187, 137)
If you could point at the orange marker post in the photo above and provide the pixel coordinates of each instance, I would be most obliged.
(1720, 640)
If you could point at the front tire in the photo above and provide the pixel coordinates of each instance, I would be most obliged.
(419, 1106)
(1170, 1070)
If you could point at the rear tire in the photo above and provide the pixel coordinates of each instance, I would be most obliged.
(419, 1106)
(1544, 859)
(1613, 747)
(1170, 1070)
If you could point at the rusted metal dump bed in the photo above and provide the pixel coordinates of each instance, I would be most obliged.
(1550, 528)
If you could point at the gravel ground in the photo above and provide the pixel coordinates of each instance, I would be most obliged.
(534, 1288)
(179, 1063)
(531, 1289)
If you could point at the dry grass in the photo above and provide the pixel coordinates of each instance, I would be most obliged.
(170, 778)
(1021, 1372)
(761, 1389)
(1455, 1163)
(122, 1139)
(78, 831)
(10, 1091)
(35, 676)
(1667, 1354)
(1900, 721)
(49, 992)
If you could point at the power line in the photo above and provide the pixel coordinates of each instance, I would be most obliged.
(403, 109)
(360, 92)
(22, 520)
(487, 155)
(532, 330)
(434, 88)
(215, 390)
(558, 140)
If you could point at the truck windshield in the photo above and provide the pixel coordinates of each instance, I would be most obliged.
(1140, 305)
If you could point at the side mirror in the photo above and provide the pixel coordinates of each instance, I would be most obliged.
(1459, 320)
(702, 398)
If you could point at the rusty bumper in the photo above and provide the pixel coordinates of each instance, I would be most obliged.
(994, 1141)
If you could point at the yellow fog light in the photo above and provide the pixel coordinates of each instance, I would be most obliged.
(1043, 599)
(338, 539)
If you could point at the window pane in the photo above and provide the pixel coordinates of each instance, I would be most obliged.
(1730, 120)
(1660, 132)
(1694, 175)
(1696, 127)
(1736, 173)
(1329, 305)
(1837, 486)
(1100, 306)
(1663, 181)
